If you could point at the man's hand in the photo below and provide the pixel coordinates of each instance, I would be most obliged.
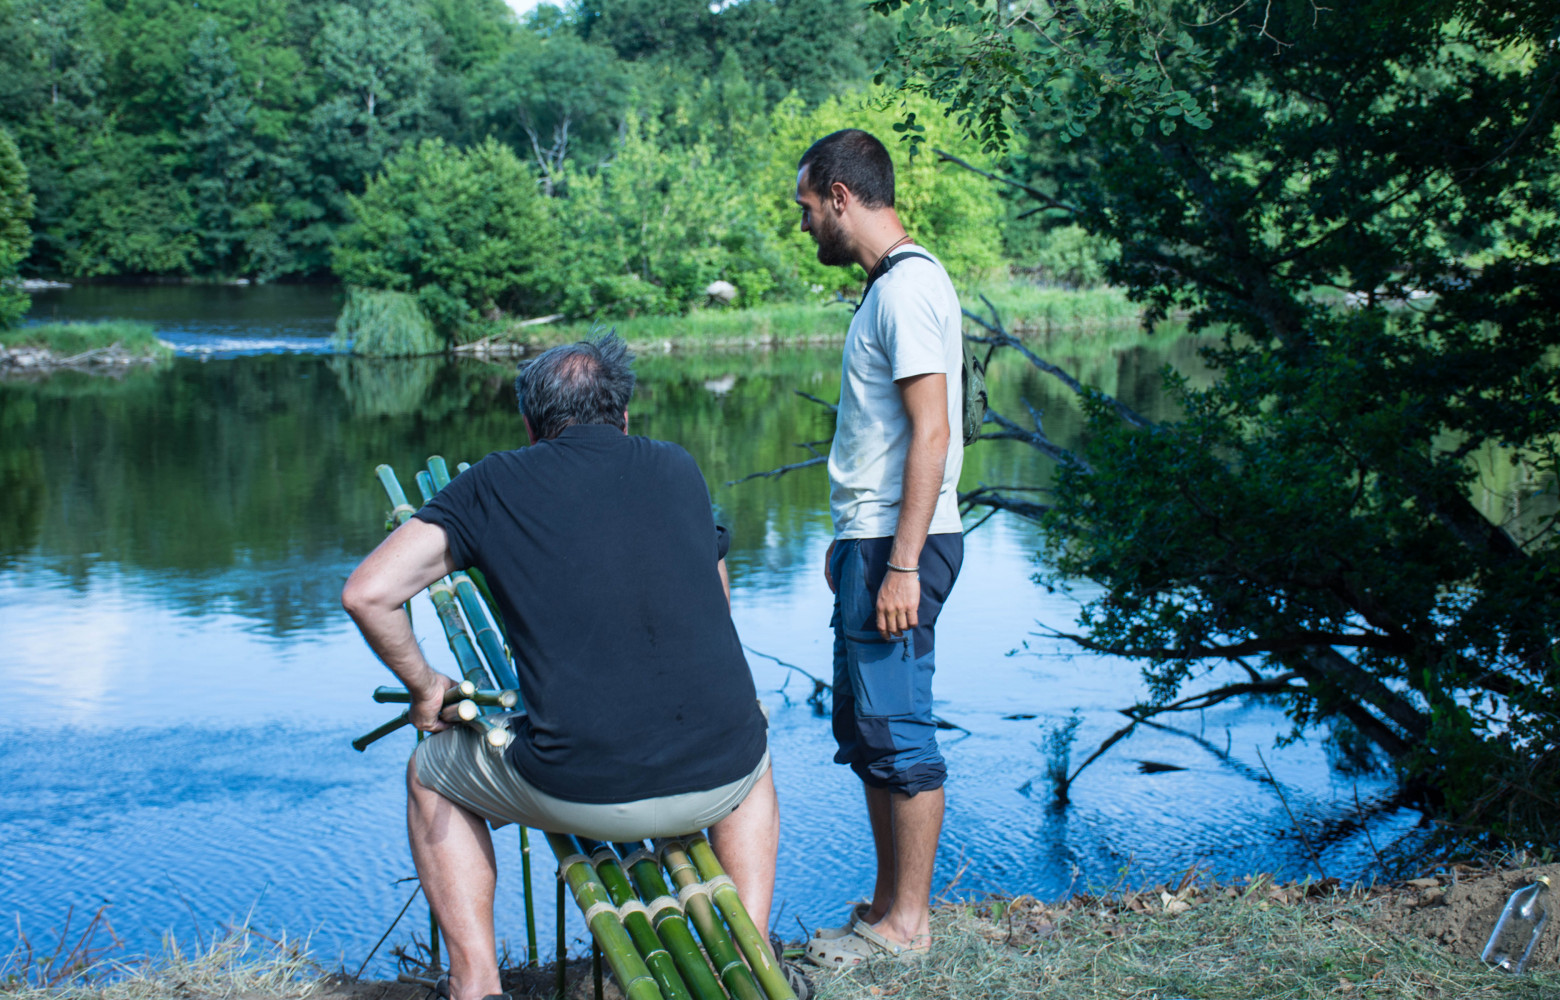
(898, 603)
(828, 560)
(428, 704)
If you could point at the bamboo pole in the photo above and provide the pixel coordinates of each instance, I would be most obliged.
(445, 603)
(666, 915)
(479, 608)
(754, 942)
(701, 911)
(636, 920)
(400, 696)
(601, 918)
(562, 958)
(466, 710)
(464, 690)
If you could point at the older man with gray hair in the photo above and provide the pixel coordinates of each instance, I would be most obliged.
(640, 719)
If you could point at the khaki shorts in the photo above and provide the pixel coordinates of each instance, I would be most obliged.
(459, 765)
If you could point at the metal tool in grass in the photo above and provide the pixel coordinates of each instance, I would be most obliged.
(460, 598)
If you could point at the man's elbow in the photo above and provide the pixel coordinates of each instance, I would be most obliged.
(934, 437)
(358, 596)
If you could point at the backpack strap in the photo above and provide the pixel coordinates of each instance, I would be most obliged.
(973, 375)
(888, 263)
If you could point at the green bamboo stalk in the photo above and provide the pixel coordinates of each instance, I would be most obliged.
(670, 923)
(401, 696)
(530, 904)
(477, 607)
(659, 958)
(562, 960)
(701, 911)
(605, 927)
(446, 594)
(401, 510)
(754, 942)
(464, 690)
(380, 732)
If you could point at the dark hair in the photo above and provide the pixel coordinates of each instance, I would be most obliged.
(855, 159)
(589, 382)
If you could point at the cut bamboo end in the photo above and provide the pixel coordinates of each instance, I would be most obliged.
(401, 696)
(466, 710)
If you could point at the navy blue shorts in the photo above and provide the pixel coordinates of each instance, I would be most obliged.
(883, 688)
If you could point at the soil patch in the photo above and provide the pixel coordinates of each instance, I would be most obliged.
(1457, 910)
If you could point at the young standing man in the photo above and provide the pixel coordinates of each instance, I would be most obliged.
(898, 544)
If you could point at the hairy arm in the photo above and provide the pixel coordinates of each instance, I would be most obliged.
(415, 555)
(926, 404)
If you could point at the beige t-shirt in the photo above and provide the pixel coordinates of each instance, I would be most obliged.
(908, 324)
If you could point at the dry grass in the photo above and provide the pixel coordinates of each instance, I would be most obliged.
(241, 963)
(1241, 943)
(1253, 940)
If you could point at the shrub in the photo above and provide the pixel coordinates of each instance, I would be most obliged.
(464, 231)
(385, 325)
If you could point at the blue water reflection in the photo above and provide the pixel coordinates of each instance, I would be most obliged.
(182, 687)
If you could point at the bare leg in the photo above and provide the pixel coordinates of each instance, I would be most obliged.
(880, 815)
(454, 857)
(917, 823)
(746, 844)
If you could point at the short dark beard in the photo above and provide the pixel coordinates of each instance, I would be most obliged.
(832, 248)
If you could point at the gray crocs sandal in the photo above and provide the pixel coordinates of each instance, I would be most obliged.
(861, 945)
(858, 913)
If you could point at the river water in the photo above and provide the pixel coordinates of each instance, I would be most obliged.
(182, 685)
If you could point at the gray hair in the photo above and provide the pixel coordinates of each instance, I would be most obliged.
(588, 382)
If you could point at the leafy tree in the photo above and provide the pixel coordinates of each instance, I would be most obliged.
(222, 148)
(953, 211)
(555, 96)
(650, 230)
(465, 231)
(1366, 211)
(16, 208)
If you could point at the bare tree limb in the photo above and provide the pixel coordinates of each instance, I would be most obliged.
(782, 470)
(1001, 338)
(1050, 202)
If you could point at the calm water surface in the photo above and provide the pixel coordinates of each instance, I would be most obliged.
(182, 684)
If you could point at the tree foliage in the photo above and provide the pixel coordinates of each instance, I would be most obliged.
(464, 231)
(16, 209)
(1368, 218)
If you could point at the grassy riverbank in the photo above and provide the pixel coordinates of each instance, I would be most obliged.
(48, 345)
(1240, 941)
(1025, 308)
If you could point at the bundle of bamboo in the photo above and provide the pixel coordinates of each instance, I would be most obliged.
(636, 921)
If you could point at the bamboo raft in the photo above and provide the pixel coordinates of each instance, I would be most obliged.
(665, 918)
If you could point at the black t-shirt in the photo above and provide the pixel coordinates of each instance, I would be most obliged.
(601, 552)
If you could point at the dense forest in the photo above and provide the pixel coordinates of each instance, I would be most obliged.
(616, 156)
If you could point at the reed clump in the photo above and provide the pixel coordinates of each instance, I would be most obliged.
(384, 324)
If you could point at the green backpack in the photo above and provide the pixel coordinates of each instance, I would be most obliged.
(973, 377)
(974, 382)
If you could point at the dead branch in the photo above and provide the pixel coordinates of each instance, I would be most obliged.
(1050, 202)
(1001, 338)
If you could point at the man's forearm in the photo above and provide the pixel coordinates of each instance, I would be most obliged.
(923, 474)
(388, 632)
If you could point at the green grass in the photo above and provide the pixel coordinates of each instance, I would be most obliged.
(1221, 947)
(1026, 309)
(69, 340)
